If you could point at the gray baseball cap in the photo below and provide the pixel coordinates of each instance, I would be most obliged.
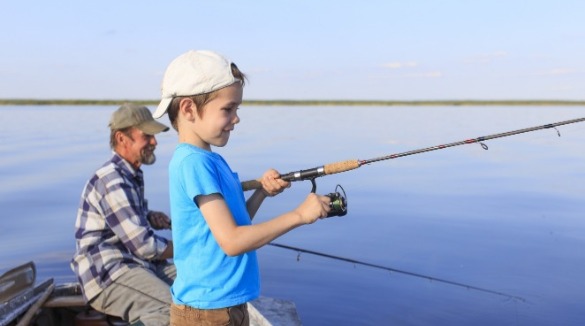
(132, 115)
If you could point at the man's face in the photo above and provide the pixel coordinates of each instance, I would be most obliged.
(140, 148)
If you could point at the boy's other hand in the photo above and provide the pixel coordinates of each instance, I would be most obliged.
(272, 184)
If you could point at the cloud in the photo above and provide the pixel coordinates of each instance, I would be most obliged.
(400, 65)
(429, 74)
(557, 72)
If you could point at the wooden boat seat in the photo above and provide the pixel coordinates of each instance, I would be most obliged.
(86, 315)
(65, 301)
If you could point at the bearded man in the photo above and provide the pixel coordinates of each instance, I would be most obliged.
(119, 261)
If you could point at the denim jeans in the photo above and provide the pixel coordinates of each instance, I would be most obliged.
(182, 315)
(139, 295)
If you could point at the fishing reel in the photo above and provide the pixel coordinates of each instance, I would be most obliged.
(338, 200)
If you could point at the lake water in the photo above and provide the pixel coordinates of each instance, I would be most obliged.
(510, 219)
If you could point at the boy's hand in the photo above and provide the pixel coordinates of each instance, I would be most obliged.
(314, 207)
(272, 184)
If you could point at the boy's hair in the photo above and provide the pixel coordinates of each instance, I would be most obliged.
(200, 100)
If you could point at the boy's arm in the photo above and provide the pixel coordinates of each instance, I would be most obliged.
(235, 240)
(272, 185)
(253, 203)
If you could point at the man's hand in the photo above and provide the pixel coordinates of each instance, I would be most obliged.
(158, 220)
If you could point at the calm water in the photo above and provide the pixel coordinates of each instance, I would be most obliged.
(510, 219)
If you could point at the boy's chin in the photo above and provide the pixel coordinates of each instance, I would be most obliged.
(221, 142)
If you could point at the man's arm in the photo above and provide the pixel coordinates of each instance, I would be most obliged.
(168, 253)
(130, 225)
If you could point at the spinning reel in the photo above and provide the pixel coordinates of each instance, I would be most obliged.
(338, 200)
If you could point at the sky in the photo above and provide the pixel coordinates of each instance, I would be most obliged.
(318, 50)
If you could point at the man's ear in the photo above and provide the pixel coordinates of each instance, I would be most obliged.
(120, 137)
(123, 138)
(188, 109)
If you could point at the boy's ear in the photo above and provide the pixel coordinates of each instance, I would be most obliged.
(188, 109)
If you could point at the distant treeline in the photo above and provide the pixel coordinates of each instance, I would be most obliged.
(309, 102)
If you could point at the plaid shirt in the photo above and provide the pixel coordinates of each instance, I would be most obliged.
(112, 233)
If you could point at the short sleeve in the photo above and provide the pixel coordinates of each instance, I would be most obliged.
(199, 176)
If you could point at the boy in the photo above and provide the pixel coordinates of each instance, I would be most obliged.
(214, 240)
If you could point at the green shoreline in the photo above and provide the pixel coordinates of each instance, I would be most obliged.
(312, 102)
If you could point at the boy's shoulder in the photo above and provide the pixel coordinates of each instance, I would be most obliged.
(189, 153)
(185, 149)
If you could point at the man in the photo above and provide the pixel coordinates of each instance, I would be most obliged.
(119, 260)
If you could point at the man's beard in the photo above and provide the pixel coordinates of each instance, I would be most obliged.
(148, 157)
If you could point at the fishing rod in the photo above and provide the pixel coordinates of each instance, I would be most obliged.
(430, 278)
(343, 166)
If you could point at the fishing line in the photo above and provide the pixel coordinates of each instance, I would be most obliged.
(430, 278)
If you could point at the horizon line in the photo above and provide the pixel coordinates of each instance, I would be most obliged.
(303, 102)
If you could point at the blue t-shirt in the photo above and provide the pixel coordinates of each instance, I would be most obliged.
(207, 278)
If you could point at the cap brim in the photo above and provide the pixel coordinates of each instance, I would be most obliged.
(152, 127)
(162, 108)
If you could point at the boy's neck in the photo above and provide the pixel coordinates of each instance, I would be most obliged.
(194, 141)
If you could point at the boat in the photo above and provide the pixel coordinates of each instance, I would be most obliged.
(26, 301)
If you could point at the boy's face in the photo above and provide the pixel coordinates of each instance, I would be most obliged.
(219, 117)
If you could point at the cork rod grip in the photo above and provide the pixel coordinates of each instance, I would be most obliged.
(341, 166)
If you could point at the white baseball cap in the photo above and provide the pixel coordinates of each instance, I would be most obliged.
(194, 73)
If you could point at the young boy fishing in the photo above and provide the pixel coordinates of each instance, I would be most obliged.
(214, 239)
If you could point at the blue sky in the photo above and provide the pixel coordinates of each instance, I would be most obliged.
(383, 50)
